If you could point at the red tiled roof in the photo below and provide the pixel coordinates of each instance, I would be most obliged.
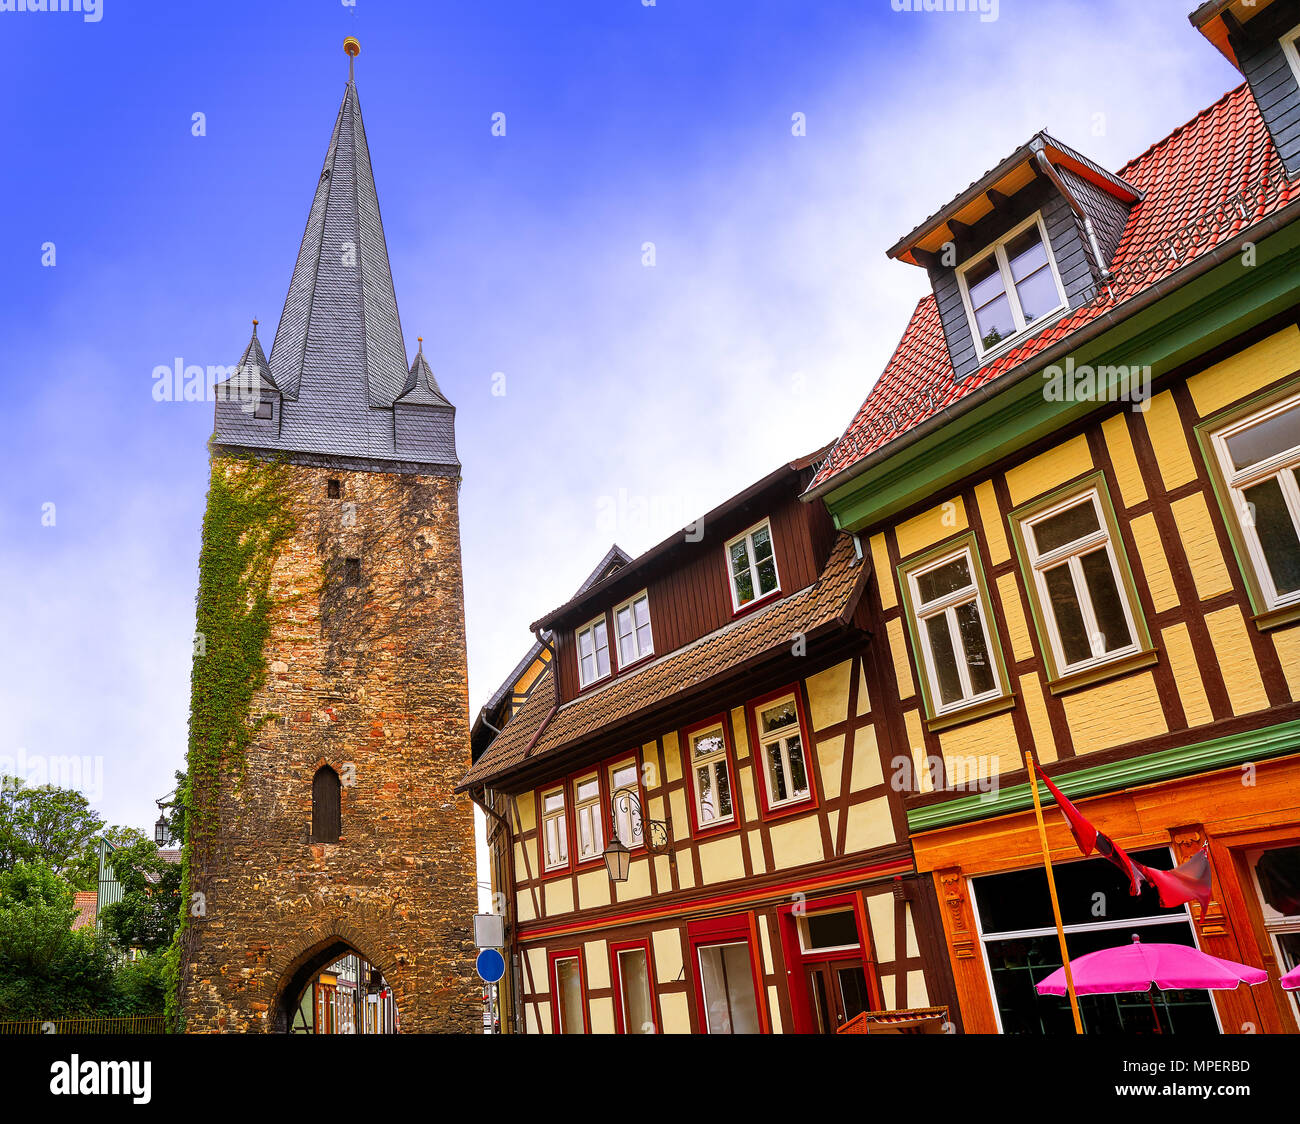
(87, 903)
(1222, 161)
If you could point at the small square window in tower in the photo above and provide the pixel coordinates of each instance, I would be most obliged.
(333, 489)
(264, 409)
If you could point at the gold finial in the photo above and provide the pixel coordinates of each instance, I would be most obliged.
(351, 48)
(254, 325)
(420, 341)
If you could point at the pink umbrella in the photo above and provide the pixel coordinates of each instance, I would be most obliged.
(1138, 967)
(1291, 980)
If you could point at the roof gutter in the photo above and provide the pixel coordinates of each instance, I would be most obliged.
(1072, 342)
(1040, 158)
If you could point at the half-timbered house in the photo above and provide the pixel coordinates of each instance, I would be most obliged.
(691, 818)
(1077, 483)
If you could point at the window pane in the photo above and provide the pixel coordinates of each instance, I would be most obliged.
(588, 790)
(570, 997)
(642, 611)
(1026, 254)
(706, 745)
(1266, 439)
(554, 801)
(943, 580)
(831, 930)
(729, 1002)
(744, 587)
(739, 557)
(1065, 611)
(976, 651)
(1038, 295)
(995, 321)
(1279, 881)
(634, 981)
(1071, 524)
(602, 650)
(1276, 531)
(767, 575)
(798, 774)
(724, 790)
(776, 773)
(984, 282)
(1106, 604)
(644, 641)
(945, 659)
(780, 716)
(762, 544)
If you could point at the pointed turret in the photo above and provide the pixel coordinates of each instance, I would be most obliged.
(338, 363)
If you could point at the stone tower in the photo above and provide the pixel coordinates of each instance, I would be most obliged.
(329, 718)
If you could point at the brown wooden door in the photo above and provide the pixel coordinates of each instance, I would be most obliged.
(837, 991)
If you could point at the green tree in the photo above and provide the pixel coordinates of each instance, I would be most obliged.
(149, 910)
(49, 826)
(48, 970)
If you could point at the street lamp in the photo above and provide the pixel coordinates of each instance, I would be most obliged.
(618, 859)
(160, 837)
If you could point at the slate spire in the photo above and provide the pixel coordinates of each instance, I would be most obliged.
(338, 363)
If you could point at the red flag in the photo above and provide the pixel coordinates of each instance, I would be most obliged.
(1188, 882)
(1089, 838)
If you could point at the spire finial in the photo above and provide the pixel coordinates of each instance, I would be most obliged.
(254, 325)
(420, 341)
(351, 48)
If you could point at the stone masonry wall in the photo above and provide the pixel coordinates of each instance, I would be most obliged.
(371, 680)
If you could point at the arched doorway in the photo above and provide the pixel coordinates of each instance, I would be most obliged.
(334, 988)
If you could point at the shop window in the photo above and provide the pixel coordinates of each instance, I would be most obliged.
(727, 984)
(570, 1015)
(1021, 948)
(634, 988)
(1277, 881)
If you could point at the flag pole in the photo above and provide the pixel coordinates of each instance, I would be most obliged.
(1051, 886)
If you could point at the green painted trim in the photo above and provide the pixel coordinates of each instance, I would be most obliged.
(1204, 429)
(1016, 517)
(1150, 768)
(965, 539)
(1205, 312)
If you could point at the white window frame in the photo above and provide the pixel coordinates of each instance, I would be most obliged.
(592, 810)
(947, 607)
(776, 740)
(1236, 481)
(634, 820)
(644, 952)
(559, 993)
(747, 536)
(1039, 563)
(630, 604)
(998, 250)
(710, 761)
(561, 831)
(1291, 48)
(590, 627)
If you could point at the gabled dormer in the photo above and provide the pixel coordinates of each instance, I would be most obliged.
(1261, 38)
(1023, 245)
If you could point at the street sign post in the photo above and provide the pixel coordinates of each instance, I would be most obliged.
(490, 965)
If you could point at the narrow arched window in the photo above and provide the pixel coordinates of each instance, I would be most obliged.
(325, 813)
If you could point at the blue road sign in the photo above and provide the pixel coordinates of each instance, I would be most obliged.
(491, 965)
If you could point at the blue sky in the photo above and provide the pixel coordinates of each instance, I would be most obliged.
(636, 396)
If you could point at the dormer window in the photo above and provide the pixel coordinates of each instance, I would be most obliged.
(1011, 286)
(752, 565)
(264, 409)
(632, 627)
(1291, 48)
(593, 652)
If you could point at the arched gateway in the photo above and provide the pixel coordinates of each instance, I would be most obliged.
(329, 720)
